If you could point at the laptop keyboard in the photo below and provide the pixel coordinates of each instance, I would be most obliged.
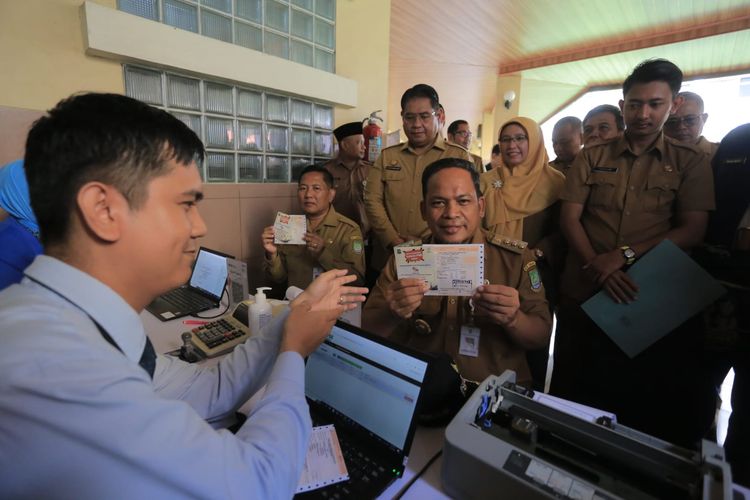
(185, 302)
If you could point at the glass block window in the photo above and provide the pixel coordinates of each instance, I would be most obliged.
(250, 135)
(303, 31)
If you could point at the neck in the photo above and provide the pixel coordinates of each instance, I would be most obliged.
(639, 144)
(313, 221)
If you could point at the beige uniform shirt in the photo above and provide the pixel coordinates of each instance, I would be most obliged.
(629, 198)
(344, 249)
(350, 190)
(707, 147)
(505, 263)
(478, 163)
(561, 166)
(394, 189)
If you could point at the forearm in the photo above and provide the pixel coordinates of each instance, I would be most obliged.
(275, 269)
(578, 240)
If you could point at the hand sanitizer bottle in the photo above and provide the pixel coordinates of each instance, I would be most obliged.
(260, 311)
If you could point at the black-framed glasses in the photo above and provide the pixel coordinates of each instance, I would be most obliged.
(464, 133)
(688, 120)
(518, 139)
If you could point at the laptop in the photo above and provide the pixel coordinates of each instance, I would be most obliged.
(369, 388)
(202, 292)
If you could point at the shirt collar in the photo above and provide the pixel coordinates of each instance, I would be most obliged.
(438, 144)
(94, 298)
(331, 218)
(622, 145)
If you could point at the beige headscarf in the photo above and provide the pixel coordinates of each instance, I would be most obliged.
(526, 189)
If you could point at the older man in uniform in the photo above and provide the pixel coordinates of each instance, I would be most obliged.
(332, 240)
(602, 124)
(349, 172)
(510, 311)
(686, 124)
(566, 141)
(459, 133)
(621, 199)
(392, 193)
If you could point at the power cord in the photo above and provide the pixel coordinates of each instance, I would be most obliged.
(408, 485)
(223, 312)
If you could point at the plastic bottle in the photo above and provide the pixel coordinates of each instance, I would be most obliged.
(260, 311)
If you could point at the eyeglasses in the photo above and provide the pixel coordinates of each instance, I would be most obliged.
(464, 133)
(423, 117)
(688, 120)
(518, 139)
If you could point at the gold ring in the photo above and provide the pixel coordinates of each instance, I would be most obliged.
(341, 300)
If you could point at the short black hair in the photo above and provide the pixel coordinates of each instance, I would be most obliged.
(453, 127)
(652, 70)
(327, 177)
(108, 138)
(692, 96)
(444, 163)
(573, 121)
(607, 108)
(421, 90)
(496, 149)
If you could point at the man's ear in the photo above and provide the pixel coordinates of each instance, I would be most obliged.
(101, 208)
(622, 105)
(481, 206)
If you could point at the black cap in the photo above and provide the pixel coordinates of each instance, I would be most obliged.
(347, 129)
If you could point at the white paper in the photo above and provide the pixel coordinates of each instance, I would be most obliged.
(289, 229)
(237, 278)
(588, 413)
(324, 463)
(455, 270)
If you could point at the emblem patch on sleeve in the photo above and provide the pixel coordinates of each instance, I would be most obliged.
(357, 246)
(536, 281)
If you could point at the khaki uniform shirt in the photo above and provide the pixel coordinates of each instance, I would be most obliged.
(707, 147)
(629, 198)
(478, 163)
(350, 190)
(505, 263)
(344, 249)
(394, 189)
(561, 166)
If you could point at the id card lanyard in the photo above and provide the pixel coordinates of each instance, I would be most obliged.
(469, 342)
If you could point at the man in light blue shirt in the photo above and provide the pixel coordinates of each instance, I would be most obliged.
(85, 409)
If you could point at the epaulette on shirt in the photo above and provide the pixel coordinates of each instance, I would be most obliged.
(515, 246)
(343, 219)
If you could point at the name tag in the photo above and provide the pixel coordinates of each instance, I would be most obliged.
(469, 344)
(609, 170)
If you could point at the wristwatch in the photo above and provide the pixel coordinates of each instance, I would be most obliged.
(629, 255)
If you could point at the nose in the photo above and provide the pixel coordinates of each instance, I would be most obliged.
(451, 210)
(643, 111)
(199, 228)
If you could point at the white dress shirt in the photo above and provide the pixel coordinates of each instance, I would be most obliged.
(80, 419)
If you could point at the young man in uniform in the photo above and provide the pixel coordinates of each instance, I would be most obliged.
(686, 124)
(566, 141)
(621, 199)
(332, 240)
(392, 192)
(88, 409)
(459, 133)
(602, 124)
(510, 311)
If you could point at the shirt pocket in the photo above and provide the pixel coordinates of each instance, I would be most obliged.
(660, 193)
(392, 175)
(601, 190)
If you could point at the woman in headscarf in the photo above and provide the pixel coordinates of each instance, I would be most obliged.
(522, 204)
(19, 232)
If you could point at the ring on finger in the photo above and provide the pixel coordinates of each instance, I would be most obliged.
(341, 300)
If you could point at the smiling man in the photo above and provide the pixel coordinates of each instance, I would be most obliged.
(620, 200)
(510, 310)
(88, 409)
(392, 193)
(332, 240)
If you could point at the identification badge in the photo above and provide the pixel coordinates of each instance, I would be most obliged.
(609, 170)
(317, 271)
(469, 345)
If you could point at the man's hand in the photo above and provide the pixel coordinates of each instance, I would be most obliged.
(600, 267)
(305, 329)
(404, 296)
(499, 303)
(621, 287)
(328, 292)
(315, 244)
(268, 245)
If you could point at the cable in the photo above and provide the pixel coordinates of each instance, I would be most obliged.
(222, 313)
(403, 490)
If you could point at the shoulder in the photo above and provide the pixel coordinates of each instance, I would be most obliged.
(346, 222)
(507, 244)
(681, 147)
(396, 148)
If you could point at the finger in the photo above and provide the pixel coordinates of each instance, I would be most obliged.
(613, 288)
(628, 294)
(631, 285)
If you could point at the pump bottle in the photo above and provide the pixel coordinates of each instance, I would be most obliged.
(259, 312)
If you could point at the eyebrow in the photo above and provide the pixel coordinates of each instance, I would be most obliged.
(194, 194)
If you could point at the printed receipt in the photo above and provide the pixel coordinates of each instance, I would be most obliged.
(324, 463)
(447, 269)
(289, 229)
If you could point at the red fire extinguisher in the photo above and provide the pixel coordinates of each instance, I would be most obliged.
(373, 136)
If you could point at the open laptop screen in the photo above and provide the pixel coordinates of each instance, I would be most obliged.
(209, 273)
(373, 384)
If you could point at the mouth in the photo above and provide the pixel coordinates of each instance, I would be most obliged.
(451, 229)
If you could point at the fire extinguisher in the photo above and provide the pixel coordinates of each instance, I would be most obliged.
(373, 136)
